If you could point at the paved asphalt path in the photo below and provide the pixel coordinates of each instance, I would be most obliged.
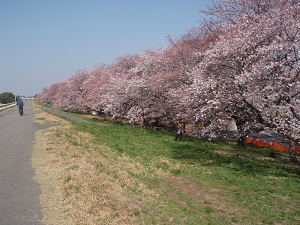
(19, 192)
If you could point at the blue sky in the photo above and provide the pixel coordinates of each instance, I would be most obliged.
(43, 42)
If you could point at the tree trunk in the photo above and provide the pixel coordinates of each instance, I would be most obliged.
(242, 141)
(293, 158)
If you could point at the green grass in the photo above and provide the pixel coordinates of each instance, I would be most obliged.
(46, 105)
(225, 184)
(209, 182)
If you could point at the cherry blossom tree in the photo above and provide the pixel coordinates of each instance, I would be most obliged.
(70, 95)
(251, 72)
(117, 102)
(48, 94)
(96, 88)
(159, 78)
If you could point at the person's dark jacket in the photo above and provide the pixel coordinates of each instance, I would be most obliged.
(20, 103)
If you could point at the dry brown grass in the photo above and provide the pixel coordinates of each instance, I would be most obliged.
(83, 183)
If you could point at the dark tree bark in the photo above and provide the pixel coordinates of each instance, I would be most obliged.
(293, 157)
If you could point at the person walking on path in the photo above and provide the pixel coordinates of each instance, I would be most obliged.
(20, 104)
(179, 132)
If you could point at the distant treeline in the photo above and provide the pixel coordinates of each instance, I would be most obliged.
(7, 97)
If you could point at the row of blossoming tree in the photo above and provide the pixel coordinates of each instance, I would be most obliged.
(242, 62)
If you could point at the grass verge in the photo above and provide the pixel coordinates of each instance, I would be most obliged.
(122, 174)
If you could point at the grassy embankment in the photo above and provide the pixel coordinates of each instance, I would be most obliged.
(122, 174)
